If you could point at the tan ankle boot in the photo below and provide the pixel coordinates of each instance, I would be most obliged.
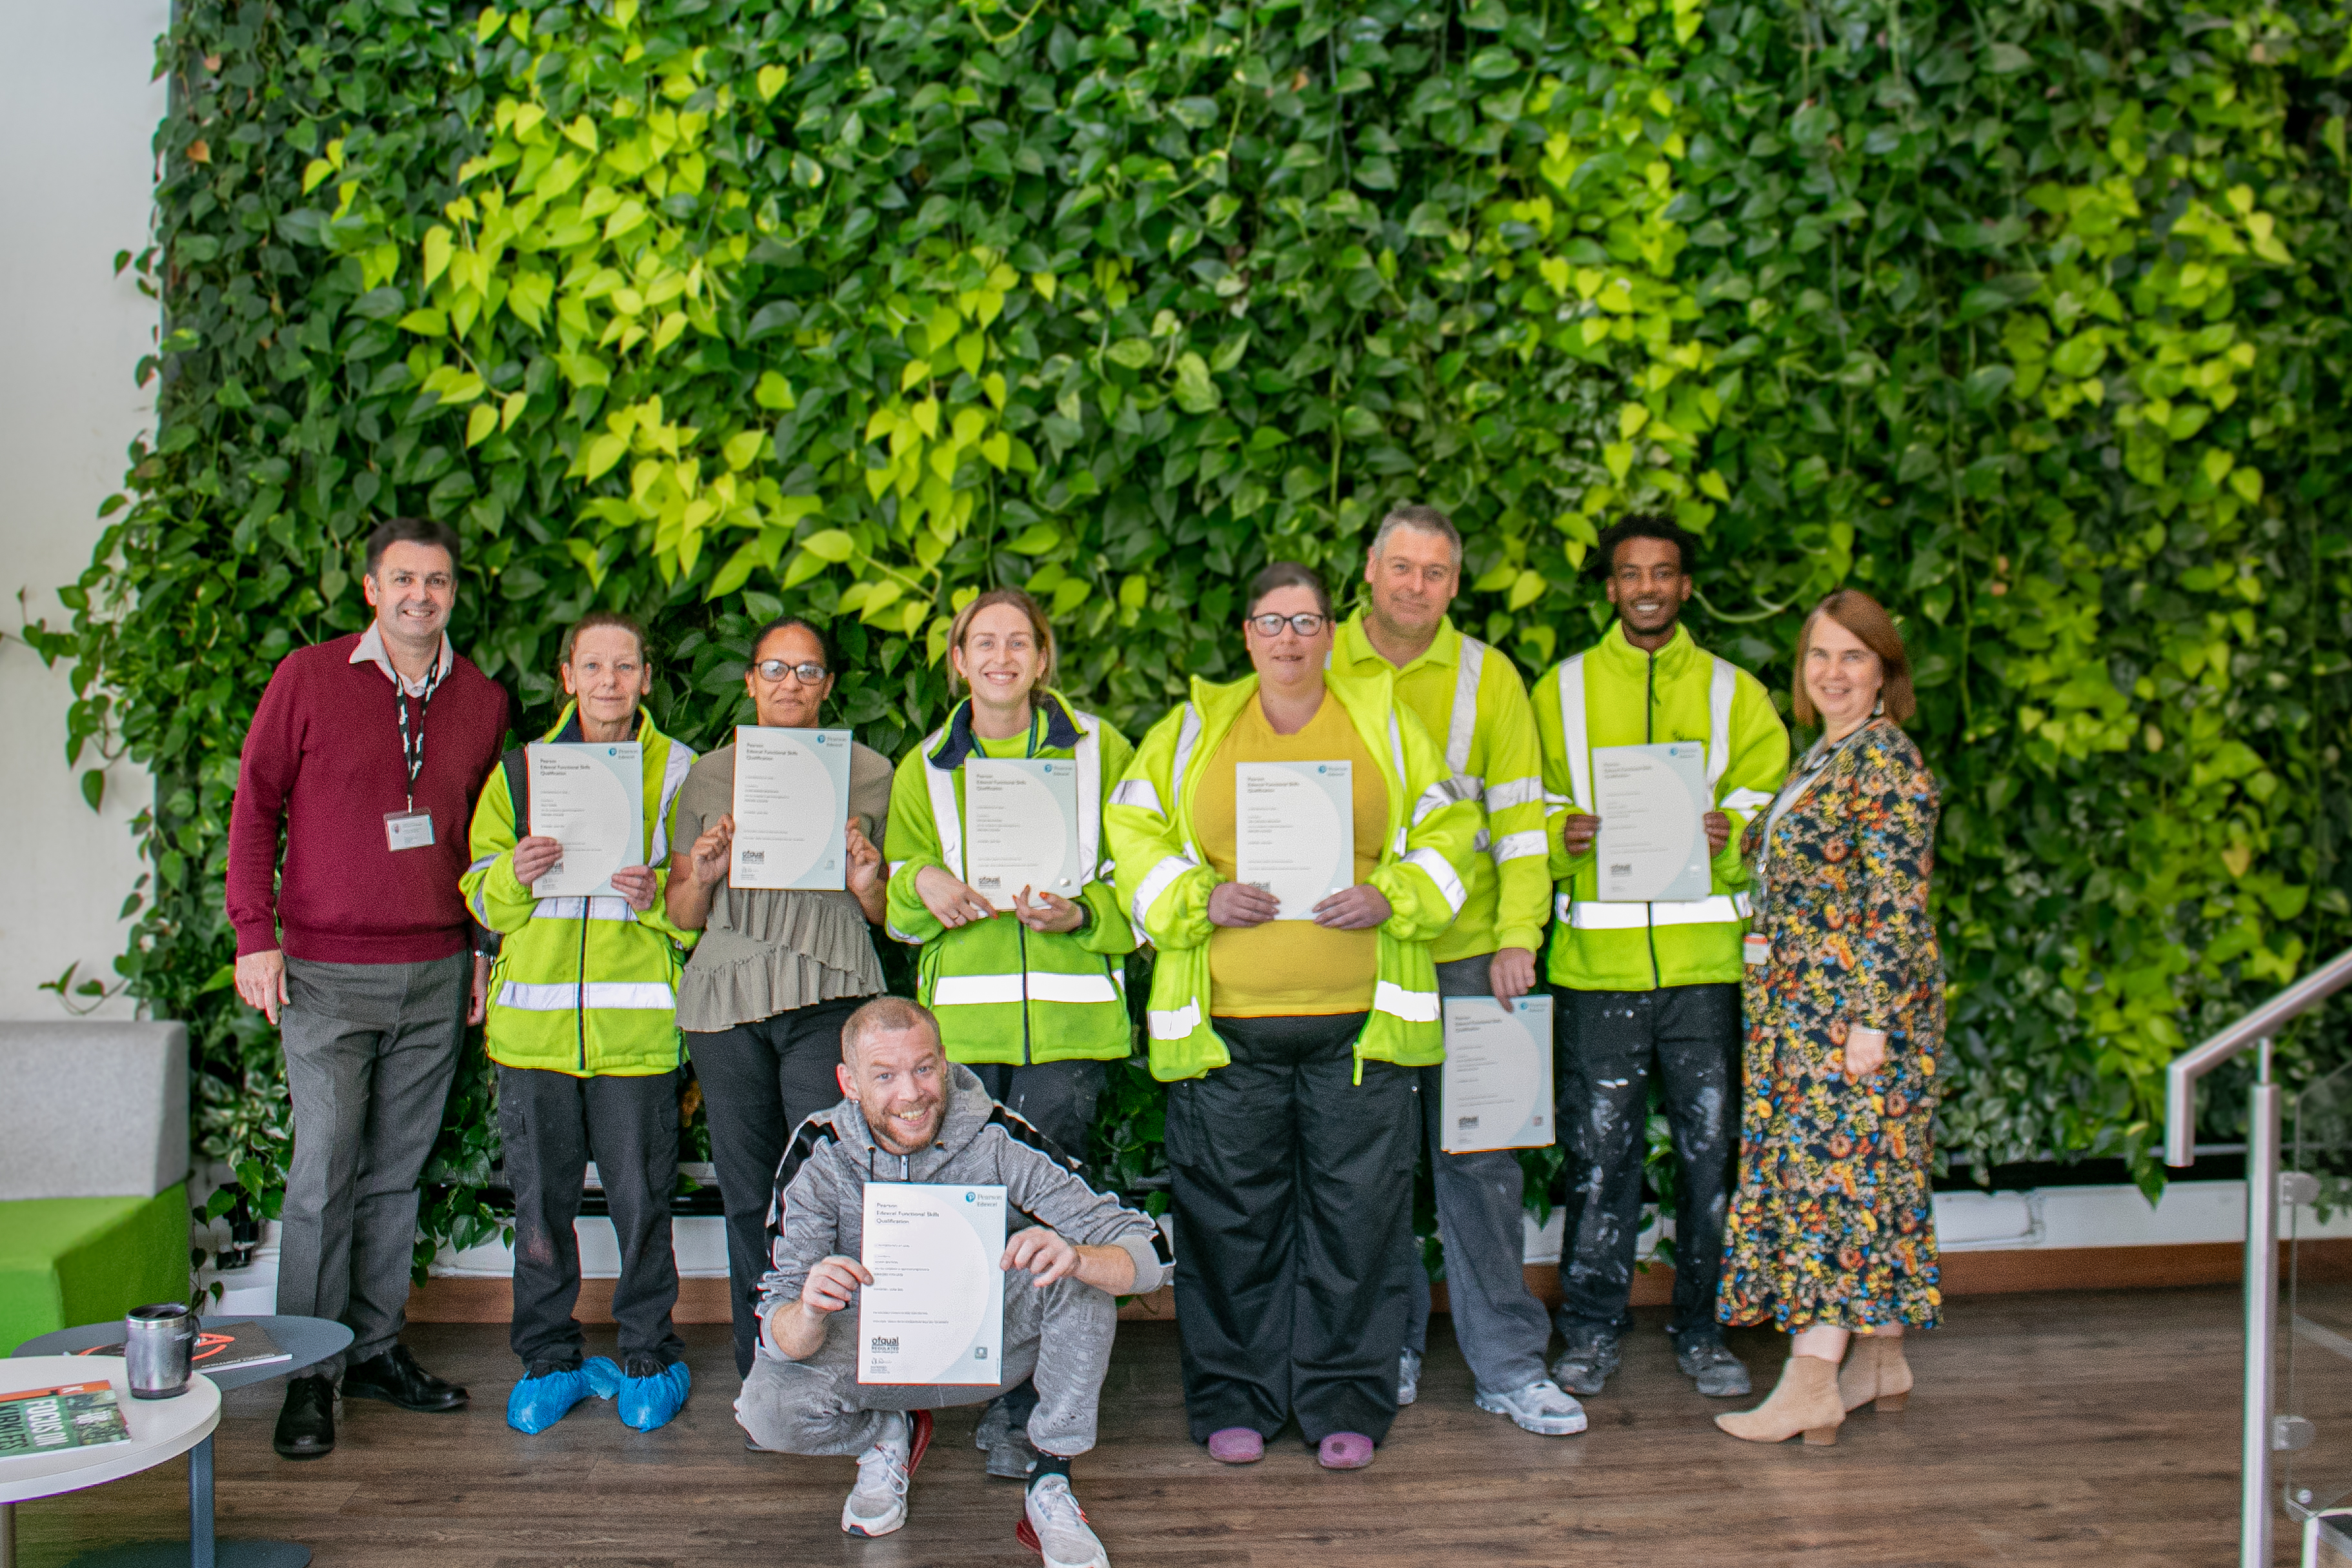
(1806, 1401)
(1875, 1370)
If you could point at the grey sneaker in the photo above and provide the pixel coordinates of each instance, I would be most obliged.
(996, 1425)
(1540, 1407)
(1718, 1373)
(1408, 1378)
(1014, 1458)
(1588, 1362)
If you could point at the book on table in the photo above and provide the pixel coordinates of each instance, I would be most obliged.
(220, 1348)
(71, 1416)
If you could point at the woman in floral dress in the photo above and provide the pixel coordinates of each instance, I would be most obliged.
(1832, 1232)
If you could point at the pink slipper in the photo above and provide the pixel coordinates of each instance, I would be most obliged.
(1236, 1446)
(1344, 1451)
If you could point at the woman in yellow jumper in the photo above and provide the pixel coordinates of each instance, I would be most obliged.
(1288, 1037)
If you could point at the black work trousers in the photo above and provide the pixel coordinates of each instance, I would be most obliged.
(1610, 1044)
(760, 1082)
(1293, 1191)
(552, 1125)
(1058, 1099)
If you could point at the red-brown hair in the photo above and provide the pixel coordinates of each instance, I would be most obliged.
(1866, 618)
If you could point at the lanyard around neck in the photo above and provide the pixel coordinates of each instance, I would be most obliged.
(412, 746)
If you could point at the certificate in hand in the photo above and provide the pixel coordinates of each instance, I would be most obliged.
(1498, 1092)
(590, 798)
(1295, 832)
(1021, 820)
(1653, 841)
(935, 1312)
(791, 801)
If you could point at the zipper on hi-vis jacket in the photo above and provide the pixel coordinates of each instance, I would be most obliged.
(1022, 930)
(580, 990)
(1649, 737)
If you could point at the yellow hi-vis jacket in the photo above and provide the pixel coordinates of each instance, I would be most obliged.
(1165, 879)
(1470, 696)
(1614, 694)
(1004, 993)
(583, 986)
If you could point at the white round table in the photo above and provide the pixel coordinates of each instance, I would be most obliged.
(160, 1429)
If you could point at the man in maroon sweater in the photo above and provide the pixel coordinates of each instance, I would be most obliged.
(367, 753)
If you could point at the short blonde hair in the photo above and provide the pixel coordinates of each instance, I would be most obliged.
(1020, 600)
(1866, 618)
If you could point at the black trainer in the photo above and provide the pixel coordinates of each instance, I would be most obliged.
(1705, 1361)
(1588, 1362)
(306, 1424)
(396, 1379)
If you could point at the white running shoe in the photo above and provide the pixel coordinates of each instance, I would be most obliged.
(1541, 1407)
(877, 1503)
(1408, 1379)
(1057, 1527)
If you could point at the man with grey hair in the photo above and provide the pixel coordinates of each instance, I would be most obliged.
(1471, 697)
(910, 1115)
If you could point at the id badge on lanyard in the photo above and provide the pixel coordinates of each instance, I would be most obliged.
(412, 828)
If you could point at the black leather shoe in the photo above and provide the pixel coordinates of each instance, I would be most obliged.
(306, 1425)
(396, 1378)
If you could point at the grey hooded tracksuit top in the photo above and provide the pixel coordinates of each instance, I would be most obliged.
(820, 1199)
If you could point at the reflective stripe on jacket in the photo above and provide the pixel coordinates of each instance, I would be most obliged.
(1470, 696)
(1004, 993)
(1614, 694)
(1164, 876)
(583, 986)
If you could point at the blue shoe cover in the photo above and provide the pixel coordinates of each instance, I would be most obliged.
(647, 1403)
(603, 1378)
(539, 1402)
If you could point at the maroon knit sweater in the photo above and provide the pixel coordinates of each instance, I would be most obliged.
(322, 760)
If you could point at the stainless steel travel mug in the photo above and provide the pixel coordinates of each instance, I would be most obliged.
(157, 1342)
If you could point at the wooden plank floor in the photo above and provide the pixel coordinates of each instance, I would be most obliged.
(2076, 1428)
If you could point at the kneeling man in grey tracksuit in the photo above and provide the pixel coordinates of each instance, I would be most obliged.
(911, 1115)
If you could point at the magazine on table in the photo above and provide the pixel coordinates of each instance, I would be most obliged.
(49, 1420)
(220, 1348)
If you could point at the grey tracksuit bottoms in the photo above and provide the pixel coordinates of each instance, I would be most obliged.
(1060, 1336)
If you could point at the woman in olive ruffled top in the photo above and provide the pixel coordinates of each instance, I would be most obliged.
(776, 973)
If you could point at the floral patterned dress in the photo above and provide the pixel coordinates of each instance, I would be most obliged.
(1833, 1219)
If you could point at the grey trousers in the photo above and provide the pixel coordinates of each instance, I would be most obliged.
(371, 1049)
(1502, 1331)
(1059, 1336)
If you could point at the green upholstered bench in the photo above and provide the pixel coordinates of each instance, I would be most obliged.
(93, 1173)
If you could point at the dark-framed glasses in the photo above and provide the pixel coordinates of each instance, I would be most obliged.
(773, 669)
(1307, 623)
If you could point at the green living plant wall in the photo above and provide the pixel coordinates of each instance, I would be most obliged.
(2028, 318)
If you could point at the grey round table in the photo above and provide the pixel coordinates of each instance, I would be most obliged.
(307, 1341)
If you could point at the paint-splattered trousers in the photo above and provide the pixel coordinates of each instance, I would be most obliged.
(1610, 1044)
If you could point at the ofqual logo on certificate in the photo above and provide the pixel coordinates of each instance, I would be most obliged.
(590, 798)
(1498, 1092)
(935, 1312)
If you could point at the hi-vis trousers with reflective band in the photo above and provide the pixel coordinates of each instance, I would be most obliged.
(1589, 914)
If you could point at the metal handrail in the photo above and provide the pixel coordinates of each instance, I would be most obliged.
(2263, 1023)
(2258, 1030)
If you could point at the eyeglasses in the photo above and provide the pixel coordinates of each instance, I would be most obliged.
(1305, 624)
(773, 670)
